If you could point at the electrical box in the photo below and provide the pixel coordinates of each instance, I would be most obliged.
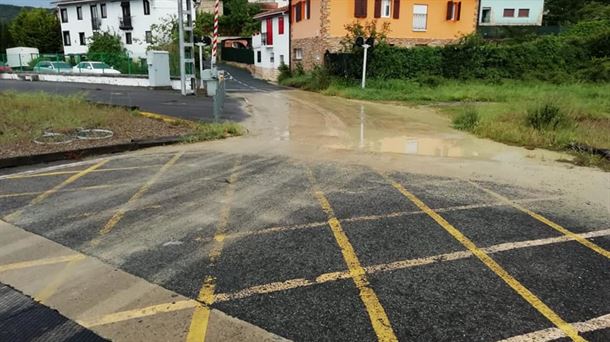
(158, 69)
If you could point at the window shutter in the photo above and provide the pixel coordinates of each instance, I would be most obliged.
(280, 25)
(459, 11)
(449, 10)
(360, 8)
(297, 12)
(396, 9)
(377, 8)
(270, 31)
(308, 6)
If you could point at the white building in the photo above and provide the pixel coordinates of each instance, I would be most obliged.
(272, 45)
(129, 19)
(511, 12)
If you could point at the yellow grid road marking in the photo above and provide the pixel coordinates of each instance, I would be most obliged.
(40, 262)
(56, 188)
(546, 221)
(594, 324)
(526, 294)
(139, 313)
(59, 173)
(379, 319)
(201, 315)
(393, 266)
(84, 188)
(48, 291)
(118, 215)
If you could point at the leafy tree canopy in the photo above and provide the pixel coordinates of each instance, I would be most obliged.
(37, 28)
(562, 12)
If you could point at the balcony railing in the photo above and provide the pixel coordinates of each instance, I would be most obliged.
(125, 23)
(96, 24)
(264, 41)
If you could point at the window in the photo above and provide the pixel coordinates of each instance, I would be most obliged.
(486, 15)
(420, 17)
(96, 23)
(282, 59)
(298, 15)
(385, 8)
(79, 13)
(280, 25)
(149, 38)
(509, 12)
(258, 57)
(360, 8)
(524, 12)
(66, 38)
(64, 15)
(272, 58)
(308, 8)
(454, 10)
(128, 40)
(81, 38)
(298, 54)
(146, 7)
(103, 10)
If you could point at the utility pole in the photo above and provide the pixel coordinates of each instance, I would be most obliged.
(215, 40)
(366, 49)
(186, 42)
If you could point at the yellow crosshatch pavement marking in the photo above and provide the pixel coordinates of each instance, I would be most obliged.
(530, 297)
(379, 319)
(201, 315)
(118, 215)
(58, 187)
(60, 173)
(546, 221)
(41, 262)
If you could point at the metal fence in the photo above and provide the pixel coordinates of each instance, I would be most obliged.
(100, 63)
(245, 56)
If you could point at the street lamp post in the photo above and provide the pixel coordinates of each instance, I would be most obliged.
(366, 49)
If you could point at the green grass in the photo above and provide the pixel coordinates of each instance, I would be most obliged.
(524, 113)
(214, 131)
(25, 116)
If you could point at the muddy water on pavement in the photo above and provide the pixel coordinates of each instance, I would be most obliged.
(332, 122)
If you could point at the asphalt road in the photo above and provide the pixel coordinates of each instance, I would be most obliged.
(331, 251)
(168, 102)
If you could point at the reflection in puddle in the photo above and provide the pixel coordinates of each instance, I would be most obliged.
(374, 127)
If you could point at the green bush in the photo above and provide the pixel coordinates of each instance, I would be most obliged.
(546, 116)
(467, 120)
(285, 73)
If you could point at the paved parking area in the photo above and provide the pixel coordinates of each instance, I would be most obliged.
(328, 251)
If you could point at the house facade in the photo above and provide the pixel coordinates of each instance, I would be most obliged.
(131, 20)
(318, 26)
(511, 12)
(271, 45)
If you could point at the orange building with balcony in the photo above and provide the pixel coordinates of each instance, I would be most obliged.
(318, 26)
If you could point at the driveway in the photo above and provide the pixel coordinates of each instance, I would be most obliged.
(332, 220)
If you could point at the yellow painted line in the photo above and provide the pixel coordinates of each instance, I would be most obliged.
(41, 262)
(118, 215)
(139, 313)
(379, 319)
(84, 188)
(594, 324)
(59, 173)
(526, 294)
(201, 315)
(48, 291)
(394, 266)
(546, 221)
(165, 118)
(57, 188)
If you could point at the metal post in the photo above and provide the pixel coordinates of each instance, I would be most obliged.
(215, 42)
(366, 48)
(181, 48)
(200, 64)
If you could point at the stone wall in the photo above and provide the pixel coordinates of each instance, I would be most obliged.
(268, 74)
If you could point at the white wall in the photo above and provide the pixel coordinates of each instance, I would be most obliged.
(279, 47)
(159, 10)
(497, 7)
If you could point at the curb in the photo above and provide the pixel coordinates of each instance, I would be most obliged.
(88, 151)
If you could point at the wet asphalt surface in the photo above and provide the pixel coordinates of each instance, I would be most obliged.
(168, 102)
(276, 231)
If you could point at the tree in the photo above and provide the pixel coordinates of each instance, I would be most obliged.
(5, 37)
(37, 28)
(562, 12)
(108, 48)
(238, 20)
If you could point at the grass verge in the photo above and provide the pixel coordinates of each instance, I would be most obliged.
(533, 114)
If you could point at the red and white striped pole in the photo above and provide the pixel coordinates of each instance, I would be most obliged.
(215, 41)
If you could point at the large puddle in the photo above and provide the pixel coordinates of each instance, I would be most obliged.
(332, 122)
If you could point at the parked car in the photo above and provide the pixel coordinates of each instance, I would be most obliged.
(52, 67)
(5, 68)
(95, 68)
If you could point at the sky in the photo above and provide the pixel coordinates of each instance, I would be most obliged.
(34, 3)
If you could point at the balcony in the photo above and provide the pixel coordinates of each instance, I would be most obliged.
(96, 24)
(125, 23)
(265, 41)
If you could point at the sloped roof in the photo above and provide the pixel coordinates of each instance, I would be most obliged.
(271, 13)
